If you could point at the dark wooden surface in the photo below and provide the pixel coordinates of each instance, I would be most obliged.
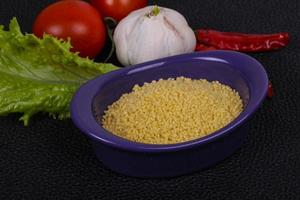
(51, 159)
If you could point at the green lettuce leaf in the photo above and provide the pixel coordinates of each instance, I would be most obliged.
(40, 75)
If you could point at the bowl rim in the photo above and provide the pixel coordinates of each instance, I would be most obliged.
(83, 117)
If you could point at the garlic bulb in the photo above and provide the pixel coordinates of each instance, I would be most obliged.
(151, 33)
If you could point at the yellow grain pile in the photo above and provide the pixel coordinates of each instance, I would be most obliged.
(172, 111)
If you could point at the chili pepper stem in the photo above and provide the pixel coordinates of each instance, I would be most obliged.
(110, 25)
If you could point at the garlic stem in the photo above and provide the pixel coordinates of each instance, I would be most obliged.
(155, 10)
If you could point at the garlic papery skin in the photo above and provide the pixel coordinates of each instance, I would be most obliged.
(145, 35)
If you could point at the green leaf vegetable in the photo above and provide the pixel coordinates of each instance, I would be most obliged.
(40, 75)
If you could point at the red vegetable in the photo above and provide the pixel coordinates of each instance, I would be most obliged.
(203, 47)
(270, 90)
(242, 42)
(118, 9)
(76, 20)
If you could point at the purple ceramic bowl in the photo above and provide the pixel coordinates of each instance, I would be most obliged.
(239, 71)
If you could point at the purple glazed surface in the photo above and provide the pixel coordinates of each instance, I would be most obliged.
(241, 72)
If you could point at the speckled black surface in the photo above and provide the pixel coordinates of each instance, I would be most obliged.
(52, 160)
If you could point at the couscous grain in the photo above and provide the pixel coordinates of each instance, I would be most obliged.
(172, 111)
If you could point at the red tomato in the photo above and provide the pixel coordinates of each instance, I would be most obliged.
(118, 9)
(76, 20)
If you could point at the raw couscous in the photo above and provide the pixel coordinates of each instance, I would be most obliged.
(172, 111)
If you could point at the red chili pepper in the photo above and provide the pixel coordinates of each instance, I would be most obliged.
(270, 90)
(203, 47)
(242, 42)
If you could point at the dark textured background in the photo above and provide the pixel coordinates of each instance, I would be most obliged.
(52, 160)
